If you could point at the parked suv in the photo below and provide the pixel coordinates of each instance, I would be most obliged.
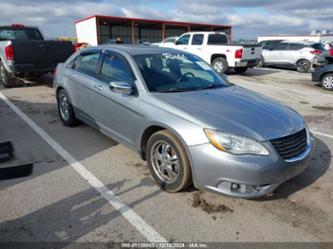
(298, 55)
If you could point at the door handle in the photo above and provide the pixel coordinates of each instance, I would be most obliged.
(71, 76)
(98, 87)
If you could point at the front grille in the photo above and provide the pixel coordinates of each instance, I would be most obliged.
(292, 145)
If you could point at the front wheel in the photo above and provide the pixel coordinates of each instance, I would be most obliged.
(65, 109)
(327, 82)
(220, 65)
(168, 162)
(240, 69)
(5, 78)
(303, 66)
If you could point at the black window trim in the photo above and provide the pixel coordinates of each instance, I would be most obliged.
(105, 53)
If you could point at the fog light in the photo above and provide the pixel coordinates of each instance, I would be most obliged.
(233, 187)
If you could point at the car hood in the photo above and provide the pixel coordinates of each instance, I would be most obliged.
(238, 111)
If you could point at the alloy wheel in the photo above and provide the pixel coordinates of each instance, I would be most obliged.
(165, 161)
(328, 82)
(64, 107)
(218, 66)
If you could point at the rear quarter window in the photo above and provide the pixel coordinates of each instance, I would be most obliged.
(217, 39)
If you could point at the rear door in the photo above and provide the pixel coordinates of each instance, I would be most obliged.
(81, 79)
(275, 54)
(196, 45)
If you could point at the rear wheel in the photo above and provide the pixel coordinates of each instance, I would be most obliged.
(303, 66)
(220, 65)
(65, 109)
(240, 69)
(327, 82)
(5, 78)
(168, 162)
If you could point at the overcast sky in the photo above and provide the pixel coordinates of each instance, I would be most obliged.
(249, 18)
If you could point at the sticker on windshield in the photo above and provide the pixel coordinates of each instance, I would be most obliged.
(174, 56)
(203, 65)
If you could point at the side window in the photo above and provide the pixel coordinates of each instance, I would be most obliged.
(197, 39)
(280, 46)
(297, 46)
(183, 40)
(87, 64)
(115, 68)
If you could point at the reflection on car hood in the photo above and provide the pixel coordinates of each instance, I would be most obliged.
(238, 111)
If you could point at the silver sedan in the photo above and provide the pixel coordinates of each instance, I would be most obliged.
(187, 121)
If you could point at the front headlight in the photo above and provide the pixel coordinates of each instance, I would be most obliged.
(235, 144)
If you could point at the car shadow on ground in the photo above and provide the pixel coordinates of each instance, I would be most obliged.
(45, 160)
(255, 72)
(70, 219)
(319, 164)
(44, 80)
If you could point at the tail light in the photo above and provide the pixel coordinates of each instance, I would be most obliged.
(74, 48)
(330, 51)
(316, 52)
(9, 51)
(239, 53)
(17, 25)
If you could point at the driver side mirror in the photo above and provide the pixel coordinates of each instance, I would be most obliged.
(121, 87)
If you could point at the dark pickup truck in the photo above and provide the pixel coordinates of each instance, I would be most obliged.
(24, 52)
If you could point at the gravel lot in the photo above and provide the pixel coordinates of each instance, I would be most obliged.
(56, 204)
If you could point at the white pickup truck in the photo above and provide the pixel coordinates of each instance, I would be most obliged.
(215, 49)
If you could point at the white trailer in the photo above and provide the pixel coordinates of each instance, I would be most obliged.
(307, 38)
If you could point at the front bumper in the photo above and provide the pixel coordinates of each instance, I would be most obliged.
(218, 171)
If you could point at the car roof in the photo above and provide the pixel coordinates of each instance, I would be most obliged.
(138, 49)
(298, 42)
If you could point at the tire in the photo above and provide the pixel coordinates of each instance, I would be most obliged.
(5, 78)
(240, 69)
(65, 109)
(220, 65)
(303, 66)
(327, 82)
(182, 178)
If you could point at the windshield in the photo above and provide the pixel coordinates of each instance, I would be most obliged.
(173, 72)
(20, 34)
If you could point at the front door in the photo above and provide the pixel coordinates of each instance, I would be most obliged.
(118, 115)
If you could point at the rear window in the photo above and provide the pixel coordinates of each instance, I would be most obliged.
(217, 39)
(20, 34)
(318, 46)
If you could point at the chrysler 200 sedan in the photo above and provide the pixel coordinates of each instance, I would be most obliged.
(186, 120)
